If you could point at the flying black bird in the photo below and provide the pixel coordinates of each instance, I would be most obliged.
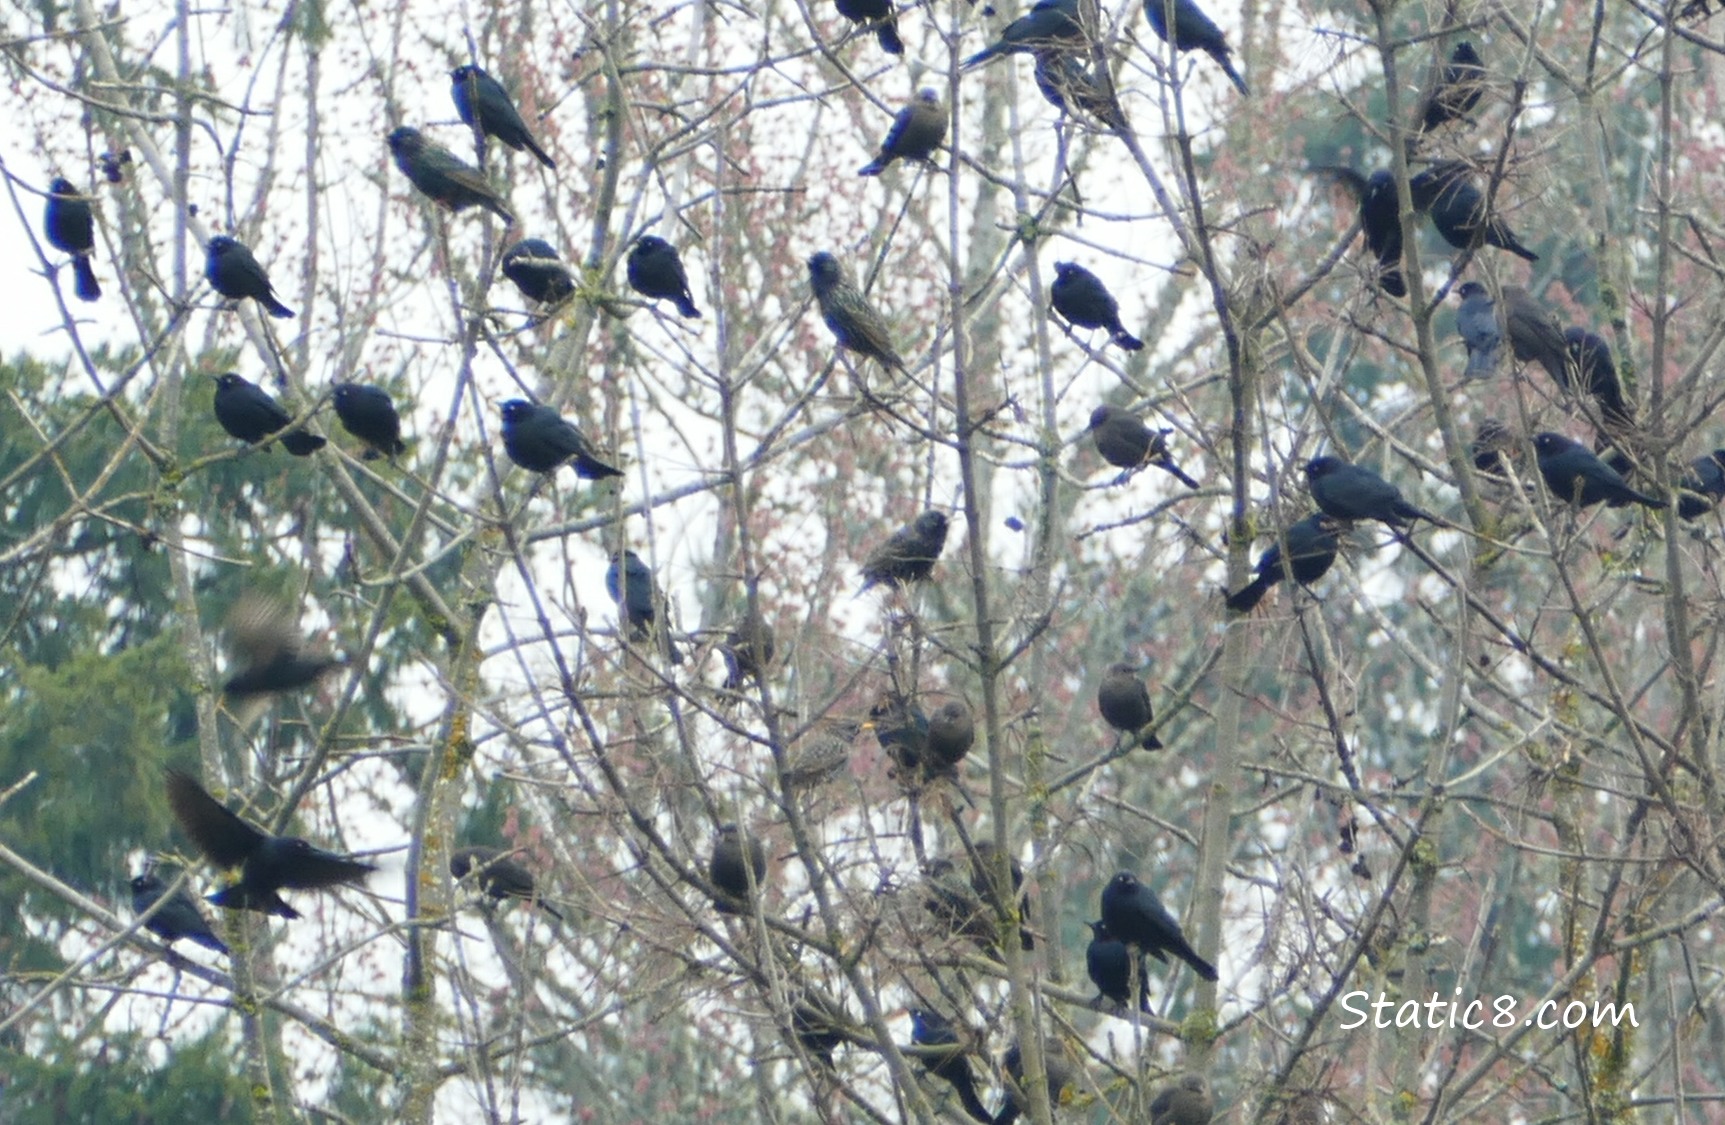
(1576, 476)
(1080, 297)
(1127, 443)
(1312, 545)
(532, 264)
(178, 918)
(1072, 87)
(854, 322)
(1125, 704)
(1458, 89)
(267, 863)
(879, 13)
(728, 871)
(442, 176)
(641, 602)
(70, 227)
(1109, 963)
(909, 553)
(1458, 212)
(269, 650)
(1592, 369)
(247, 412)
(498, 116)
(656, 271)
(541, 440)
(927, 1029)
(1188, 1101)
(901, 728)
(1534, 333)
(499, 875)
(1476, 322)
(1132, 912)
(986, 883)
(951, 734)
(1193, 31)
(368, 413)
(1703, 486)
(1048, 24)
(1354, 492)
(748, 650)
(915, 133)
(1058, 1070)
(232, 271)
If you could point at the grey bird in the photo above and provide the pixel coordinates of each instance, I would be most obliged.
(748, 651)
(1127, 443)
(1187, 1102)
(855, 322)
(442, 176)
(1534, 333)
(1059, 1070)
(1476, 322)
(951, 734)
(1124, 702)
(916, 132)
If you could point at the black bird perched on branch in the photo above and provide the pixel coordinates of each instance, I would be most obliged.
(1459, 87)
(178, 918)
(1354, 492)
(269, 650)
(879, 13)
(248, 413)
(1193, 31)
(232, 271)
(499, 875)
(656, 272)
(442, 176)
(1048, 24)
(1124, 702)
(641, 602)
(1133, 913)
(1380, 219)
(541, 440)
(1534, 333)
(1187, 1102)
(1457, 208)
(854, 322)
(928, 1029)
(70, 227)
(736, 855)
(267, 863)
(1576, 476)
(1074, 88)
(1109, 963)
(901, 728)
(916, 132)
(1703, 486)
(1080, 297)
(1591, 369)
(473, 89)
(909, 553)
(1058, 1070)
(748, 651)
(1127, 443)
(986, 883)
(1476, 323)
(532, 264)
(368, 413)
(1312, 545)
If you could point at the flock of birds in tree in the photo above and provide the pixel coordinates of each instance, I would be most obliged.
(272, 658)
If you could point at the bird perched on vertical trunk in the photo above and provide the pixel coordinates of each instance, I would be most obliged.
(532, 264)
(541, 440)
(1110, 963)
(248, 412)
(1311, 551)
(739, 862)
(985, 881)
(641, 602)
(927, 1029)
(1535, 334)
(1187, 1102)
(269, 650)
(1380, 219)
(854, 322)
(442, 176)
(1476, 323)
(880, 14)
(1354, 492)
(267, 863)
(1127, 443)
(1058, 1069)
(909, 553)
(1124, 702)
(477, 94)
(1050, 24)
(178, 918)
(1592, 369)
(1458, 211)
(233, 272)
(1458, 89)
(748, 650)
(1080, 297)
(1133, 913)
(1074, 88)
(1576, 476)
(70, 226)
(1193, 31)
(368, 413)
(916, 132)
(656, 272)
(1703, 486)
(498, 875)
